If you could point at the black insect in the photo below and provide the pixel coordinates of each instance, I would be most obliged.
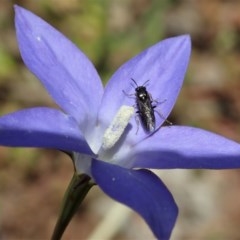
(145, 107)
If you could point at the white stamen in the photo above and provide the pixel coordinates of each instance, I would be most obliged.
(117, 127)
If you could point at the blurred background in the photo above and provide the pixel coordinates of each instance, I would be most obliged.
(33, 181)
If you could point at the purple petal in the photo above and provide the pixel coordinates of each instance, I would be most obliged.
(186, 147)
(163, 64)
(42, 127)
(142, 191)
(63, 69)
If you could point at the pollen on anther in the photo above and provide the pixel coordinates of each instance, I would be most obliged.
(117, 127)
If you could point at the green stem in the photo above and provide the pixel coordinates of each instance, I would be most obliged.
(76, 192)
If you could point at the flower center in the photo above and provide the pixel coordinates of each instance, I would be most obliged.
(109, 148)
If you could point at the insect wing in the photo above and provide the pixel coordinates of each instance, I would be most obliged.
(146, 114)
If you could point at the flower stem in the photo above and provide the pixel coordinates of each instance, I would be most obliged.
(76, 192)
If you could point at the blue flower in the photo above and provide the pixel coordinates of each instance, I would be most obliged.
(97, 125)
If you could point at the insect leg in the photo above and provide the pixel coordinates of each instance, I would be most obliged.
(157, 102)
(131, 95)
(137, 121)
(161, 116)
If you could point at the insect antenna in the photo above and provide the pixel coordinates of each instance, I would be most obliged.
(134, 82)
(145, 84)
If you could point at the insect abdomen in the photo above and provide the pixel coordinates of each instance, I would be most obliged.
(146, 114)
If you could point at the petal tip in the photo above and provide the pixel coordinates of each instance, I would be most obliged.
(186, 38)
(17, 8)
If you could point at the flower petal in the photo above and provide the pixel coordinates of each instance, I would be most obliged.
(164, 65)
(142, 191)
(63, 69)
(186, 147)
(42, 127)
